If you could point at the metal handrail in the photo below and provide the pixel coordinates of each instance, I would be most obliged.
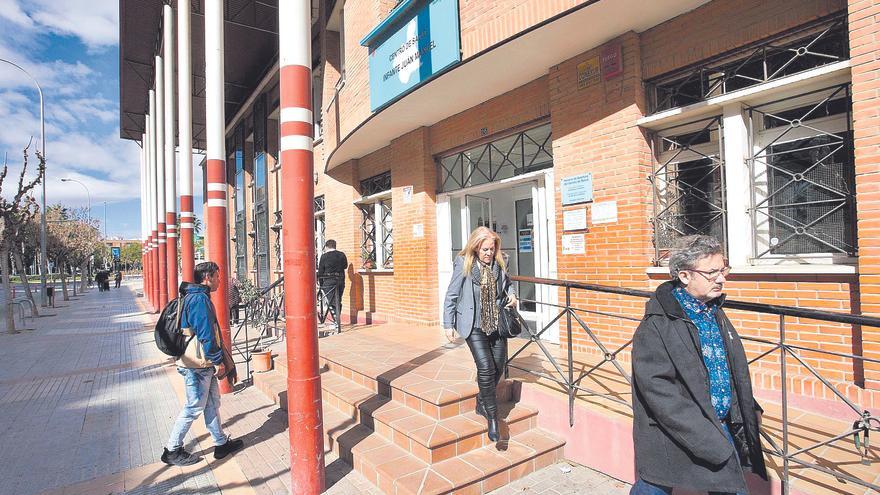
(259, 311)
(865, 422)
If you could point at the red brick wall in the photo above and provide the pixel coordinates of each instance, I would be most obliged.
(594, 130)
(529, 102)
(864, 25)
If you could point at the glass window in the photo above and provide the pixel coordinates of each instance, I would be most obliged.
(688, 184)
(377, 241)
(798, 50)
(803, 175)
(241, 237)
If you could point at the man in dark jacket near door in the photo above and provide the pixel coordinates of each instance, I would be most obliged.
(696, 423)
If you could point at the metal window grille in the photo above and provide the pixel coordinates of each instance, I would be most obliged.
(368, 238)
(688, 184)
(320, 226)
(807, 47)
(377, 240)
(376, 184)
(803, 175)
(261, 220)
(386, 234)
(500, 159)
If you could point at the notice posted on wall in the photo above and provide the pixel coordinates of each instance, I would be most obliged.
(407, 194)
(604, 212)
(418, 230)
(573, 244)
(574, 219)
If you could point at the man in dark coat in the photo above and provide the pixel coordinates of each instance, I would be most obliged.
(696, 423)
(331, 276)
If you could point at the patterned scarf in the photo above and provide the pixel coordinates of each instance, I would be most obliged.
(488, 290)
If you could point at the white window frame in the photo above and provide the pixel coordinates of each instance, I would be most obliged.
(381, 229)
(736, 141)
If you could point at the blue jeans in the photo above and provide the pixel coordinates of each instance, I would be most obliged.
(642, 487)
(202, 395)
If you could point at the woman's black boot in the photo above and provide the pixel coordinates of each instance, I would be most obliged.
(492, 424)
(481, 409)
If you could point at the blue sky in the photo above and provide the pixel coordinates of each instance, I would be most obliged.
(71, 47)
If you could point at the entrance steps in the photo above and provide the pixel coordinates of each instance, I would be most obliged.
(411, 435)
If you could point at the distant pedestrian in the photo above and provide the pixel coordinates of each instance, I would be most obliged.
(118, 278)
(695, 421)
(203, 363)
(102, 278)
(331, 277)
(233, 298)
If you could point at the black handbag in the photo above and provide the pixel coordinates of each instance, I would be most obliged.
(510, 323)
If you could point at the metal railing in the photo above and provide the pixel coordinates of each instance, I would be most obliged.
(264, 317)
(263, 313)
(863, 422)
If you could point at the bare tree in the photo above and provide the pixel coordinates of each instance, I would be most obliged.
(15, 213)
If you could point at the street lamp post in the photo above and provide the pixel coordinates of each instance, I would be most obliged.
(88, 195)
(44, 266)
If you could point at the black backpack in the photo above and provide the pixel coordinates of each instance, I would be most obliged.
(168, 335)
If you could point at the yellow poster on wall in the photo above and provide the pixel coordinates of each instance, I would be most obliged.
(588, 72)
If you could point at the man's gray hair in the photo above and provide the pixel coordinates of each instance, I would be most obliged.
(688, 250)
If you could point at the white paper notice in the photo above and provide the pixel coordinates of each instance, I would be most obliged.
(407, 194)
(573, 244)
(574, 219)
(418, 230)
(605, 212)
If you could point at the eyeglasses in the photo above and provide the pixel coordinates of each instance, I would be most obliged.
(713, 274)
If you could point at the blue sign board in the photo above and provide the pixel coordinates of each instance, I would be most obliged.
(115, 252)
(577, 189)
(411, 46)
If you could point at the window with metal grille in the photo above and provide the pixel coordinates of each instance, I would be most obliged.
(241, 238)
(688, 184)
(261, 194)
(377, 241)
(803, 175)
(500, 159)
(806, 47)
(320, 227)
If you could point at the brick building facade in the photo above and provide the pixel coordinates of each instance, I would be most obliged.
(755, 121)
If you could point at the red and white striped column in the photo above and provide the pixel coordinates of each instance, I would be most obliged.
(297, 195)
(215, 174)
(170, 198)
(184, 109)
(160, 181)
(154, 223)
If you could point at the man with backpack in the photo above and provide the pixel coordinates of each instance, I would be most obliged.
(201, 365)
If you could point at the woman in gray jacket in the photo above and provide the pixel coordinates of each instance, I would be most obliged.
(479, 289)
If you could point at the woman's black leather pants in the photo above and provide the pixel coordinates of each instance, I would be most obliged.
(490, 354)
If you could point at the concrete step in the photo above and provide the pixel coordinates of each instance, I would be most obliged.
(429, 439)
(396, 471)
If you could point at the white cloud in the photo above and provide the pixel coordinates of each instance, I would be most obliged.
(96, 24)
(10, 10)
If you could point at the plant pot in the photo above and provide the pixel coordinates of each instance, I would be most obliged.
(262, 361)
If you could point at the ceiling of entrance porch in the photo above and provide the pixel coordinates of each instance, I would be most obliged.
(251, 42)
(505, 67)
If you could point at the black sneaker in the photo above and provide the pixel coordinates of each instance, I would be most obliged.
(227, 448)
(179, 457)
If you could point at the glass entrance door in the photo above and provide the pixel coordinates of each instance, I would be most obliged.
(520, 212)
(479, 213)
